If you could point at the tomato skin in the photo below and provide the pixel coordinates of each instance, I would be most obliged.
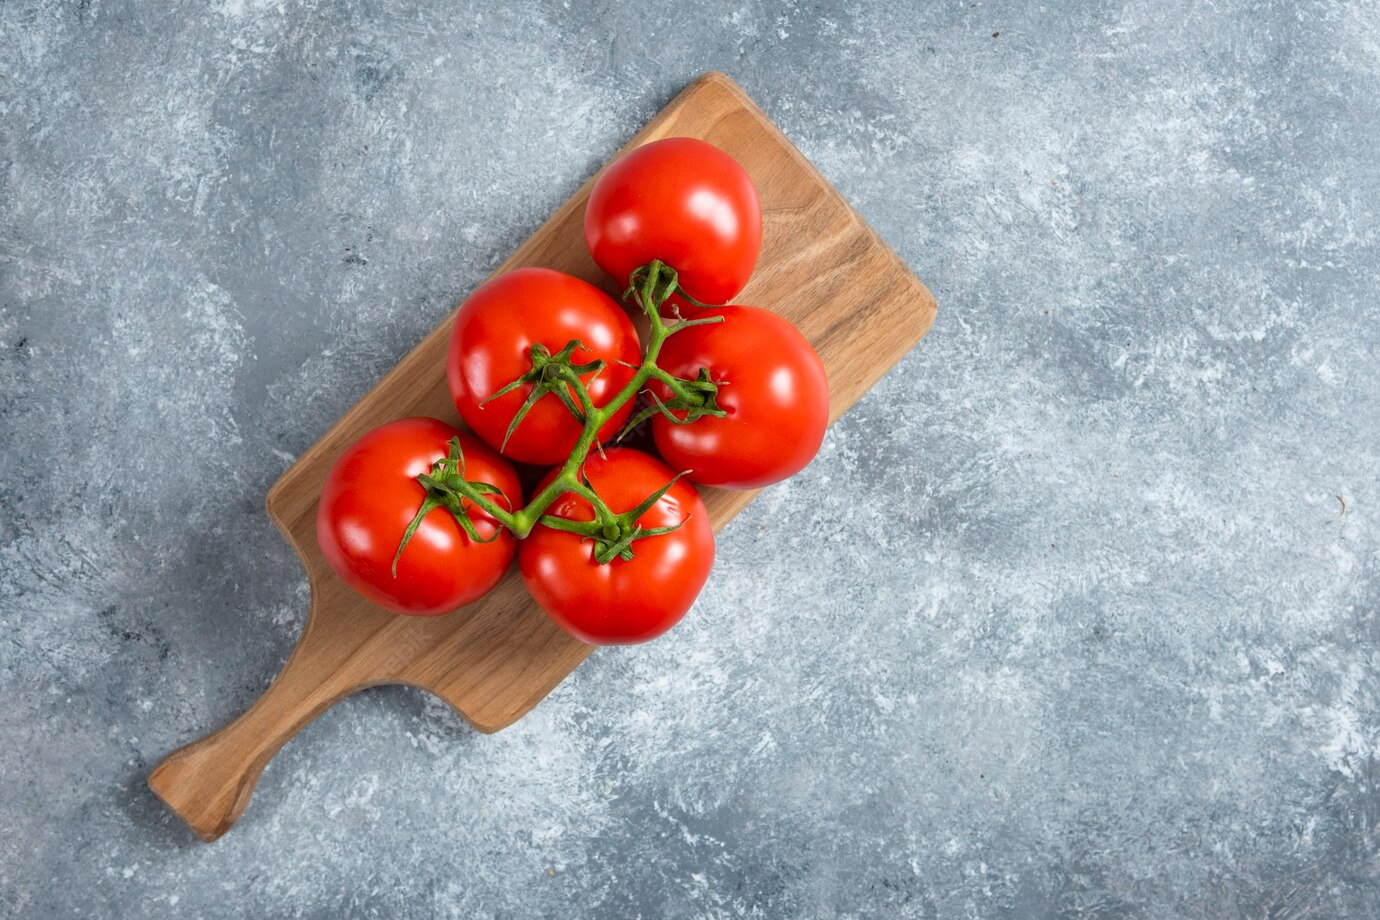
(684, 202)
(775, 393)
(490, 348)
(370, 496)
(624, 601)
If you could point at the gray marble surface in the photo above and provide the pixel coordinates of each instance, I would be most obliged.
(1076, 613)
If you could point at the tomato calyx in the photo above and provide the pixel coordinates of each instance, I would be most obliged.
(446, 487)
(655, 283)
(550, 373)
(694, 398)
(613, 534)
(651, 286)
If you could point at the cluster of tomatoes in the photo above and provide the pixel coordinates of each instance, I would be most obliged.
(547, 371)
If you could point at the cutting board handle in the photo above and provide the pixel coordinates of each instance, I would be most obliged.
(209, 782)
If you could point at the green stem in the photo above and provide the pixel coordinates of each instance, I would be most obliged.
(674, 384)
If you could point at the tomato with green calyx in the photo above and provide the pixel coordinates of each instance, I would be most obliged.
(370, 497)
(684, 202)
(648, 581)
(767, 419)
(518, 329)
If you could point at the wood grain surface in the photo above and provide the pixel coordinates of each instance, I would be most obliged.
(821, 266)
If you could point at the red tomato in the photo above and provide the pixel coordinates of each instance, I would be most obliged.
(623, 601)
(684, 202)
(372, 493)
(490, 348)
(774, 393)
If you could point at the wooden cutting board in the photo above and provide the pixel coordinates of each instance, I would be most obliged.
(821, 266)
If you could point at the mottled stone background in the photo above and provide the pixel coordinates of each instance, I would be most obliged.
(1075, 613)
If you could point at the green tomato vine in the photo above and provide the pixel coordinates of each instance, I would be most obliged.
(556, 373)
